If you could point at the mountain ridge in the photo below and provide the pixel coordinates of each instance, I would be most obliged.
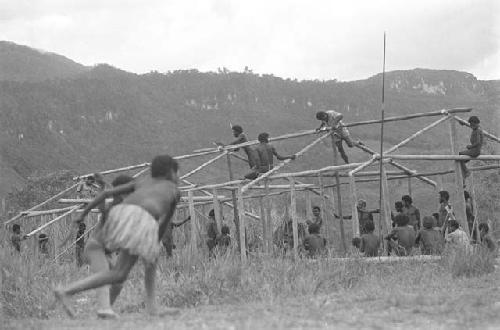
(103, 117)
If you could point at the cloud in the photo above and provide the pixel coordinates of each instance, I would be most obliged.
(303, 39)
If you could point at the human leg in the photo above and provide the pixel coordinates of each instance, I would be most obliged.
(340, 148)
(116, 275)
(98, 263)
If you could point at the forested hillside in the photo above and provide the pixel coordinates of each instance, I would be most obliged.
(103, 117)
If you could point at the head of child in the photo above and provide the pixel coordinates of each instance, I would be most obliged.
(42, 239)
(81, 227)
(453, 225)
(321, 115)
(407, 201)
(313, 229)
(399, 206)
(483, 229)
(237, 130)
(316, 211)
(435, 216)
(370, 227)
(429, 222)
(225, 230)
(121, 180)
(474, 122)
(361, 204)
(211, 214)
(263, 137)
(401, 220)
(16, 229)
(444, 196)
(164, 167)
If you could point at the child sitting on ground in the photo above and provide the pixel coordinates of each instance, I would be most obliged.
(456, 237)
(43, 245)
(369, 241)
(486, 240)
(133, 227)
(429, 239)
(224, 240)
(314, 243)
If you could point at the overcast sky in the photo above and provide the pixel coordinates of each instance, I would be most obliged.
(308, 39)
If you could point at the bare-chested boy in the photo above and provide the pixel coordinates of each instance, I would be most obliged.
(242, 138)
(264, 156)
(369, 241)
(430, 240)
(474, 148)
(133, 227)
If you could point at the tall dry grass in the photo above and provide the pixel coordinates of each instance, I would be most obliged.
(186, 280)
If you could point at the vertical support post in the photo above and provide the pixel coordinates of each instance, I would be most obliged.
(194, 229)
(354, 208)
(217, 211)
(269, 219)
(264, 224)
(323, 206)
(339, 196)
(235, 204)
(458, 192)
(385, 213)
(475, 225)
(241, 208)
(293, 213)
(309, 214)
(410, 187)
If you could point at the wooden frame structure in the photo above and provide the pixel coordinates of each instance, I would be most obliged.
(262, 187)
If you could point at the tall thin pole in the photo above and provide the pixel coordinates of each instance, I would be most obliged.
(381, 205)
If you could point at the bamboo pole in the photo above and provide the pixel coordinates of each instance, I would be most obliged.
(368, 150)
(235, 203)
(45, 212)
(313, 132)
(202, 166)
(217, 210)
(293, 213)
(269, 219)
(409, 188)
(33, 232)
(385, 212)
(475, 225)
(194, 227)
(354, 208)
(413, 116)
(485, 133)
(183, 199)
(309, 214)
(263, 223)
(241, 208)
(415, 135)
(459, 199)
(339, 195)
(141, 172)
(279, 166)
(324, 215)
(51, 199)
(225, 200)
(444, 157)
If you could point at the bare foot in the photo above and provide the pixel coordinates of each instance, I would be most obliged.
(107, 314)
(64, 300)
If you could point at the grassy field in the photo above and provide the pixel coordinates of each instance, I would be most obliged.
(459, 291)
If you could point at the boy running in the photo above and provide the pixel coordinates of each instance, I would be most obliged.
(134, 227)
